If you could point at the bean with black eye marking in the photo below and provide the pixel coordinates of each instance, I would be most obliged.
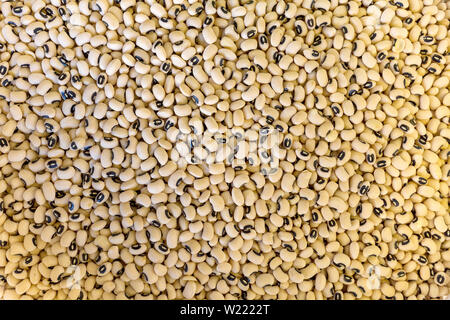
(155, 147)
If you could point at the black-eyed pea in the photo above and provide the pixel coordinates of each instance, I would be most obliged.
(341, 260)
(156, 187)
(219, 61)
(287, 182)
(429, 244)
(264, 279)
(441, 278)
(131, 271)
(371, 251)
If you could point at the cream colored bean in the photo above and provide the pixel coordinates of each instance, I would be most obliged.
(224, 150)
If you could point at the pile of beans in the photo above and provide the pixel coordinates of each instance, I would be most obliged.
(224, 149)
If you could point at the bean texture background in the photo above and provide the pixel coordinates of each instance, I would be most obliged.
(224, 149)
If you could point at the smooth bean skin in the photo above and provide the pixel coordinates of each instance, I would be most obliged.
(199, 150)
